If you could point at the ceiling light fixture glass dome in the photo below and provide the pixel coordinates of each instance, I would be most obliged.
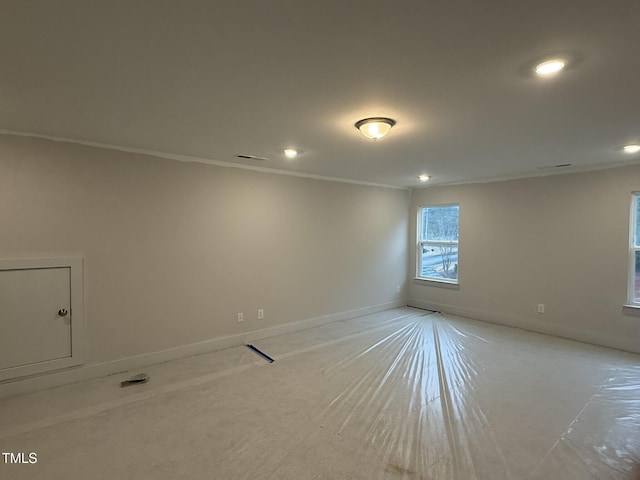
(375, 127)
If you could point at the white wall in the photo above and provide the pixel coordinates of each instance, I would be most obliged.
(559, 240)
(174, 250)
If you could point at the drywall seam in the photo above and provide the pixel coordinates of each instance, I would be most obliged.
(578, 334)
(86, 372)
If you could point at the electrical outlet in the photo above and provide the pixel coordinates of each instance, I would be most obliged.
(397, 288)
(541, 308)
(240, 317)
(260, 314)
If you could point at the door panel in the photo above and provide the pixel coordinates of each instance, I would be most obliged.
(31, 331)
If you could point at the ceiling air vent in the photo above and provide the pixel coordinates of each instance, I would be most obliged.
(250, 157)
(560, 165)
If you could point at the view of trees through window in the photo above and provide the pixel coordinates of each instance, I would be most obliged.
(438, 243)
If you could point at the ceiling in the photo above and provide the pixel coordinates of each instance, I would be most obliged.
(212, 79)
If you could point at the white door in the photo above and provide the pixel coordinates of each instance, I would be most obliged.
(35, 316)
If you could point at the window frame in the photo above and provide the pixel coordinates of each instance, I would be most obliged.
(633, 248)
(420, 243)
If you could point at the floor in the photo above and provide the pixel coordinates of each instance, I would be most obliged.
(401, 394)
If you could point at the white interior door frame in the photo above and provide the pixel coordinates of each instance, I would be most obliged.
(76, 265)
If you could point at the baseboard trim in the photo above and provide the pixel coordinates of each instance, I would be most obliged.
(24, 385)
(579, 335)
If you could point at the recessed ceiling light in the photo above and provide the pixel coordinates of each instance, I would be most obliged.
(550, 67)
(632, 148)
(424, 178)
(290, 152)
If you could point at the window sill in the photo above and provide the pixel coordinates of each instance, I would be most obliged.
(631, 310)
(439, 283)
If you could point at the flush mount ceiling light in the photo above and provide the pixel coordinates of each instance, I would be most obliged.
(632, 148)
(290, 152)
(424, 178)
(375, 127)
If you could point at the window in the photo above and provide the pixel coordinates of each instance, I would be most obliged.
(437, 248)
(633, 293)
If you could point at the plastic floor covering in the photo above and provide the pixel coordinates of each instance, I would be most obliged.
(401, 394)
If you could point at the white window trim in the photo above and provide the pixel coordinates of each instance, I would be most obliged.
(631, 278)
(420, 243)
